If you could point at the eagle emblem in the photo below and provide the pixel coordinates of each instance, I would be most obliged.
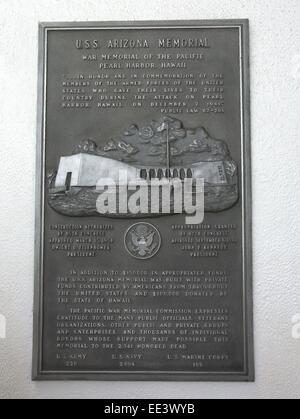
(142, 240)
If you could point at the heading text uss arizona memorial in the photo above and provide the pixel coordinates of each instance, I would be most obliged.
(142, 43)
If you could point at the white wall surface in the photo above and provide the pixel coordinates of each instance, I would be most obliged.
(275, 82)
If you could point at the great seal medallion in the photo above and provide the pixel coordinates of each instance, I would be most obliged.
(142, 241)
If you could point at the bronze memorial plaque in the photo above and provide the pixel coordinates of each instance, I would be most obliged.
(143, 240)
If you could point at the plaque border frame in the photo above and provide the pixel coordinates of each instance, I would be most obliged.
(248, 375)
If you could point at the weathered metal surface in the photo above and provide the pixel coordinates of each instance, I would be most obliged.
(153, 298)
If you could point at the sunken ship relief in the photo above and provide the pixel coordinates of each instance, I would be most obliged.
(162, 149)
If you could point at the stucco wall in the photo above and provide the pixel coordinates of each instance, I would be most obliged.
(275, 79)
